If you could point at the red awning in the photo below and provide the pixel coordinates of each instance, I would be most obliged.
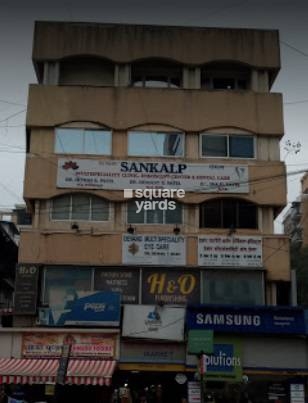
(88, 372)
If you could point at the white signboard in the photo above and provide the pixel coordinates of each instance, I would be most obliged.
(154, 249)
(119, 175)
(153, 322)
(194, 392)
(297, 393)
(238, 250)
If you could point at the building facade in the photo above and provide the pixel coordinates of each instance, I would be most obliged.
(140, 107)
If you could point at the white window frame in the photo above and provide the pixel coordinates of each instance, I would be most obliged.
(156, 132)
(228, 135)
(164, 216)
(84, 130)
(70, 219)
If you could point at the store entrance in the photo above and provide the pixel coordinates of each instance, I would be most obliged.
(151, 387)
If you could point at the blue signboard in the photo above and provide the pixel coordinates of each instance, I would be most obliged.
(95, 309)
(261, 319)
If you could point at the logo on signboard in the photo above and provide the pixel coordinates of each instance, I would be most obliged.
(133, 248)
(70, 165)
(153, 320)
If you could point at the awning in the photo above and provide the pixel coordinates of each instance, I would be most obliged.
(88, 372)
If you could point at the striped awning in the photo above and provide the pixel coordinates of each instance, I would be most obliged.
(40, 371)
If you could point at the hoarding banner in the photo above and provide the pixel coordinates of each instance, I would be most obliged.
(89, 309)
(266, 320)
(235, 251)
(26, 289)
(165, 353)
(119, 175)
(170, 286)
(47, 345)
(125, 282)
(169, 250)
(153, 322)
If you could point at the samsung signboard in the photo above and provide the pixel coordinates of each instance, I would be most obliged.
(261, 319)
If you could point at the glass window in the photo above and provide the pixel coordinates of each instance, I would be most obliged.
(156, 216)
(228, 213)
(233, 287)
(214, 146)
(231, 145)
(79, 207)
(241, 146)
(83, 141)
(155, 144)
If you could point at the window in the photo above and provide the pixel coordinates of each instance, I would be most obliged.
(227, 145)
(233, 287)
(160, 74)
(225, 77)
(155, 144)
(156, 216)
(79, 207)
(228, 213)
(83, 141)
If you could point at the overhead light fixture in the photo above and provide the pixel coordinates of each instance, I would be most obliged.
(176, 230)
(75, 226)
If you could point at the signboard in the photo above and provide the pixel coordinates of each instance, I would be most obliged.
(276, 391)
(261, 319)
(194, 392)
(125, 282)
(26, 289)
(225, 361)
(235, 251)
(119, 175)
(159, 353)
(168, 286)
(89, 309)
(297, 393)
(153, 322)
(154, 250)
(49, 345)
(200, 341)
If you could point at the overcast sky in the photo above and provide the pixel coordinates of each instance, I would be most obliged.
(16, 71)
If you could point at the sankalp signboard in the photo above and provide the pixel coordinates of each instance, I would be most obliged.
(119, 175)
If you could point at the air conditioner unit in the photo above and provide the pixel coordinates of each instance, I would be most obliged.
(43, 317)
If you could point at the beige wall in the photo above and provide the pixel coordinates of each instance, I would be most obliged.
(86, 248)
(124, 108)
(187, 45)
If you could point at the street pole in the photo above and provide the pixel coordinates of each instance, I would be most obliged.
(202, 365)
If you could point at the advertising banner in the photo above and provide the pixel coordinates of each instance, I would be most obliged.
(266, 320)
(88, 309)
(153, 322)
(169, 250)
(225, 361)
(119, 175)
(125, 282)
(235, 251)
(173, 287)
(26, 288)
(49, 345)
(165, 353)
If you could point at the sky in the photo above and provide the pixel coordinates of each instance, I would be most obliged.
(16, 70)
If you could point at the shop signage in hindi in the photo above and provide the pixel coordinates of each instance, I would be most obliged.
(153, 322)
(154, 249)
(235, 251)
(26, 289)
(125, 282)
(264, 320)
(119, 175)
(168, 286)
(49, 345)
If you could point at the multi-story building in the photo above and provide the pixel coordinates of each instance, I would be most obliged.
(133, 107)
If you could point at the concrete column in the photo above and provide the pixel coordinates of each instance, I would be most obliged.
(122, 75)
(293, 288)
(36, 219)
(254, 80)
(191, 78)
(51, 73)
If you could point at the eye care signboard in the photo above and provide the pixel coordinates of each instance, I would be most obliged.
(235, 251)
(118, 175)
(154, 249)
